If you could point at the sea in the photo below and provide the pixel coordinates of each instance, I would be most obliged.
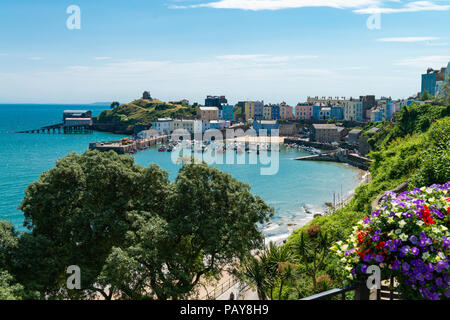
(296, 185)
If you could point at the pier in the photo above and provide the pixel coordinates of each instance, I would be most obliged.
(74, 121)
(341, 155)
(132, 147)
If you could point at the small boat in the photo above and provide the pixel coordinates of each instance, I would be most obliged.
(162, 148)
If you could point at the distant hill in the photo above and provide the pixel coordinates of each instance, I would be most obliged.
(125, 117)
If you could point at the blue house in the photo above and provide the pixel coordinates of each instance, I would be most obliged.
(429, 83)
(275, 112)
(316, 112)
(337, 113)
(227, 112)
(269, 125)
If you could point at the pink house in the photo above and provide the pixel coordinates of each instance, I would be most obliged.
(303, 112)
(286, 112)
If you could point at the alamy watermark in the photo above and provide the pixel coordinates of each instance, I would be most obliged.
(74, 280)
(73, 22)
(374, 280)
(213, 148)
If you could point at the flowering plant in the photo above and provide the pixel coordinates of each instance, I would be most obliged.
(408, 238)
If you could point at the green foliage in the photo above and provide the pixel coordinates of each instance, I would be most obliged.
(411, 119)
(9, 290)
(311, 249)
(142, 112)
(115, 104)
(435, 160)
(415, 147)
(425, 96)
(133, 233)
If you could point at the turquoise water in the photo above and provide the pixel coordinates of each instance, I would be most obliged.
(25, 156)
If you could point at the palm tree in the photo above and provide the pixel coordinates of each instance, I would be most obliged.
(256, 273)
(311, 249)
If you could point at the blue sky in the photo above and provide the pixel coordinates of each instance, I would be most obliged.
(275, 50)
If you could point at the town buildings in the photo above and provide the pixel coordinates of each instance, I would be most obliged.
(303, 111)
(327, 133)
(268, 125)
(433, 80)
(207, 114)
(164, 126)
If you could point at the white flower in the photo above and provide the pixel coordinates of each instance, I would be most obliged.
(419, 222)
(444, 228)
(398, 214)
(401, 223)
(398, 231)
(425, 256)
(403, 237)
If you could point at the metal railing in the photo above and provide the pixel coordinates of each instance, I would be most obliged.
(361, 292)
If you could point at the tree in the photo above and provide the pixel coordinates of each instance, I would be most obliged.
(8, 289)
(77, 212)
(114, 105)
(425, 96)
(209, 222)
(254, 270)
(133, 233)
(311, 249)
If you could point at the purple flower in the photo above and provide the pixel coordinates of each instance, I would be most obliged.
(405, 266)
(413, 239)
(375, 237)
(376, 213)
(415, 251)
(440, 282)
(429, 267)
(364, 268)
(379, 258)
(396, 265)
(428, 276)
(441, 265)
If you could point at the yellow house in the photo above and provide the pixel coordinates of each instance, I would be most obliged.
(208, 113)
(249, 110)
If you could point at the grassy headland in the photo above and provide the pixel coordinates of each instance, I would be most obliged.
(123, 118)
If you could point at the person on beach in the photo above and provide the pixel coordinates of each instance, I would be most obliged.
(232, 296)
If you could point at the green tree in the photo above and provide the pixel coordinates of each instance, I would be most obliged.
(254, 271)
(311, 249)
(209, 222)
(9, 290)
(76, 213)
(425, 96)
(114, 105)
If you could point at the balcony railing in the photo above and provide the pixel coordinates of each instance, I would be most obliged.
(361, 292)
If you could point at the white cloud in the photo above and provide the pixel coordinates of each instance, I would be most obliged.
(425, 62)
(407, 39)
(415, 6)
(281, 4)
(358, 6)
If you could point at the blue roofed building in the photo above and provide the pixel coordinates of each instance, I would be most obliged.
(268, 125)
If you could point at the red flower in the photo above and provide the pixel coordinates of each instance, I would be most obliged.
(426, 216)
